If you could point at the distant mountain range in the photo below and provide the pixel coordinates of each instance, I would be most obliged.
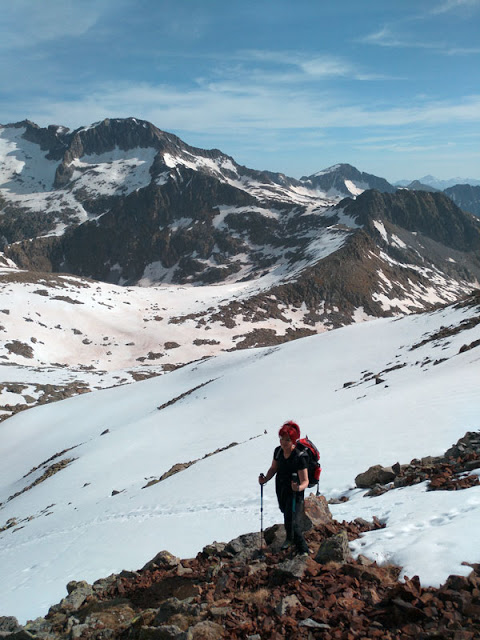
(127, 204)
(440, 185)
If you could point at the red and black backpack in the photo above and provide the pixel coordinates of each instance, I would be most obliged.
(305, 445)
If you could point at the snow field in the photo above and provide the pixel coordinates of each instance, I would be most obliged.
(420, 409)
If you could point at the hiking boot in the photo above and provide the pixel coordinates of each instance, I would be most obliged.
(303, 554)
(286, 545)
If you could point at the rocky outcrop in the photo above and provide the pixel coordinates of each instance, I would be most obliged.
(448, 472)
(237, 590)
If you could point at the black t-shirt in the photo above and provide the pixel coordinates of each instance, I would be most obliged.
(285, 468)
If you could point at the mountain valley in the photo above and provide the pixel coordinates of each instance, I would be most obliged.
(127, 253)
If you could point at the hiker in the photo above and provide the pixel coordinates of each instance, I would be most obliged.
(290, 467)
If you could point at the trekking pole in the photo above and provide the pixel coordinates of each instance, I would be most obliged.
(261, 514)
(294, 479)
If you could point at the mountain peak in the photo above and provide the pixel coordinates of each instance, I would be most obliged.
(335, 168)
(346, 180)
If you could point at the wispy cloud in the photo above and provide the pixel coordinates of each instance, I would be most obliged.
(463, 51)
(47, 21)
(219, 109)
(454, 5)
(277, 68)
(384, 37)
(315, 66)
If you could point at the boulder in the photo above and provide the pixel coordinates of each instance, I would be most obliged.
(163, 560)
(165, 632)
(172, 607)
(245, 547)
(9, 624)
(21, 634)
(41, 627)
(79, 592)
(375, 475)
(334, 549)
(274, 537)
(214, 549)
(316, 512)
(73, 585)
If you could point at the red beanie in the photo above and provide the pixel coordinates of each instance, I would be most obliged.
(291, 429)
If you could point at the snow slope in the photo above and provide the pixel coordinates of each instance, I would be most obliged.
(74, 524)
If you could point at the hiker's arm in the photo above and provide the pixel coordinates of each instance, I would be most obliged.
(303, 478)
(270, 473)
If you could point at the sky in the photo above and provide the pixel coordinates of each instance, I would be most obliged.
(72, 526)
(390, 87)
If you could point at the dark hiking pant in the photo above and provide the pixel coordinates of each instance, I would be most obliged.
(292, 519)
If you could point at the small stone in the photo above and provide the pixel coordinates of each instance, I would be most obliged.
(312, 624)
(289, 602)
(206, 631)
(219, 612)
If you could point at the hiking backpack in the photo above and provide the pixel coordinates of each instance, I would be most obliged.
(313, 457)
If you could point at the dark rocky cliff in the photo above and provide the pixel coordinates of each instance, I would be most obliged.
(432, 214)
(465, 196)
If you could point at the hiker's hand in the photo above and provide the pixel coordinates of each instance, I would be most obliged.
(262, 479)
(295, 486)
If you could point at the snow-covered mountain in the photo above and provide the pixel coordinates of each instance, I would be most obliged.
(87, 498)
(227, 258)
(345, 180)
(123, 202)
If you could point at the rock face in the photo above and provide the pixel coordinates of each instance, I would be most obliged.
(223, 593)
(433, 215)
(465, 196)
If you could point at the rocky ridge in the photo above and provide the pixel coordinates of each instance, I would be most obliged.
(465, 196)
(448, 472)
(235, 590)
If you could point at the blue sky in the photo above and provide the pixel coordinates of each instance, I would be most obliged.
(392, 87)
